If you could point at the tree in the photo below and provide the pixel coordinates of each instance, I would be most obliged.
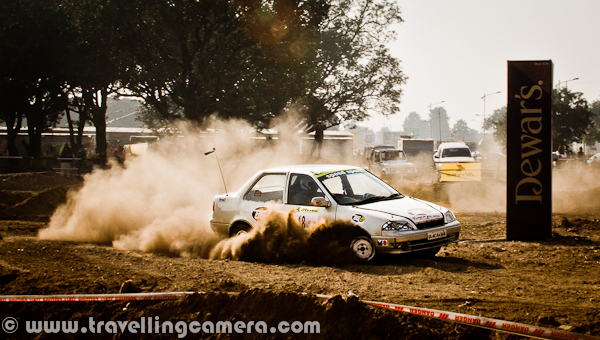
(497, 123)
(414, 123)
(32, 60)
(593, 134)
(355, 73)
(461, 131)
(13, 104)
(235, 59)
(95, 65)
(439, 122)
(572, 117)
(255, 60)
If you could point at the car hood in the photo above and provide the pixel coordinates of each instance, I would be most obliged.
(407, 207)
(397, 164)
(454, 160)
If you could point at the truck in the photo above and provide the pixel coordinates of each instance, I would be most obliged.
(389, 163)
(455, 163)
(420, 152)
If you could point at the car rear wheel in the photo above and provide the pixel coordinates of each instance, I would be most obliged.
(240, 229)
(364, 248)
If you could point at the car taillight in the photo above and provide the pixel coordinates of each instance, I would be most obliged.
(213, 206)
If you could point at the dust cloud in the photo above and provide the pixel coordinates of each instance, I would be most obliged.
(280, 239)
(161, 201)
(575, 189)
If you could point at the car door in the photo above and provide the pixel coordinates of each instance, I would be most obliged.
(267, 191)
(302, 189)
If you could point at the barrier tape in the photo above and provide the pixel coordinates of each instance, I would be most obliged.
(466, 319)
(482, 322)
(94, 297)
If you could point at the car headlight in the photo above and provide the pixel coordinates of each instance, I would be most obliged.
(397, 226)
(449, 217)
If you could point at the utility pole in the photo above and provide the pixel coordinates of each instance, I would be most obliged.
(431, 121)
(485, 95)
(566, 81)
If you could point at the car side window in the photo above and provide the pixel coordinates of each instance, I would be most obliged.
(302, 190)
(269, 188)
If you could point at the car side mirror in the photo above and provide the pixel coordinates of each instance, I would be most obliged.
(320, 202)
(436, 156)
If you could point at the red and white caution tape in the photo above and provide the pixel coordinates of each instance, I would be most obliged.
(471, 320)
(482, 322)
(94, 297)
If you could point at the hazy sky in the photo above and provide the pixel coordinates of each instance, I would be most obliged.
(457, 51)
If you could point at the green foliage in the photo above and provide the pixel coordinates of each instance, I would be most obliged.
(33, 66)
(256, 60)
(572, 119)
(413, 122)
(355, 73)
(461, 131)
(248, 59)
(593, 133)
(497, 123)
(571, 116)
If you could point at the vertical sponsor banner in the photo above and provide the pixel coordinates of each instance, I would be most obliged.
(529, 150)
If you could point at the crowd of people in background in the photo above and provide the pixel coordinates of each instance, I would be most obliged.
(565, 156)
(565, 152)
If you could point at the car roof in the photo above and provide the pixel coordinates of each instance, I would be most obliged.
(453, 145)
(312, 168)
(380, 147)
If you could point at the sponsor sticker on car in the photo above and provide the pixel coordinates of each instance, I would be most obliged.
(338, 173)
(382, 243)
(358, 218)
(259, 213)
(307, 216)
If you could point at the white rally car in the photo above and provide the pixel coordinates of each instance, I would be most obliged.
(390, 222)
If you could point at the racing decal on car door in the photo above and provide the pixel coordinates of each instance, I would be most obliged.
(358, 218)
(307, 217)
(259, 213)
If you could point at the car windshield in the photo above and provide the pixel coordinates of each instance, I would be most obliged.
(456, 152)
(356, 186)
(392, 155)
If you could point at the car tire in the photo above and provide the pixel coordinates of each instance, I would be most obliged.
(239, 229)
(364, 248)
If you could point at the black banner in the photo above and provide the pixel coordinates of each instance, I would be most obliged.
(529, 151)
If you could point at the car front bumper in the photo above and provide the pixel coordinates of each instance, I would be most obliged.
(416, 241)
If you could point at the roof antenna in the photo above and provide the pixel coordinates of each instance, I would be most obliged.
(208, 153)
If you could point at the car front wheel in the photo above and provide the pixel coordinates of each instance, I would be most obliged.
(364, 248)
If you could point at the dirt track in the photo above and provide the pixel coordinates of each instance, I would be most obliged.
(554, 283)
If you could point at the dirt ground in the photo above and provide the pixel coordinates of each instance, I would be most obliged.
(553, 283)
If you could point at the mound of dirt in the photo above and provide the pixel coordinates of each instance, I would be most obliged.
(7, 273)
(32, 206)
(43, 203)
(338, 318)
(9, 198)
(37, 181)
